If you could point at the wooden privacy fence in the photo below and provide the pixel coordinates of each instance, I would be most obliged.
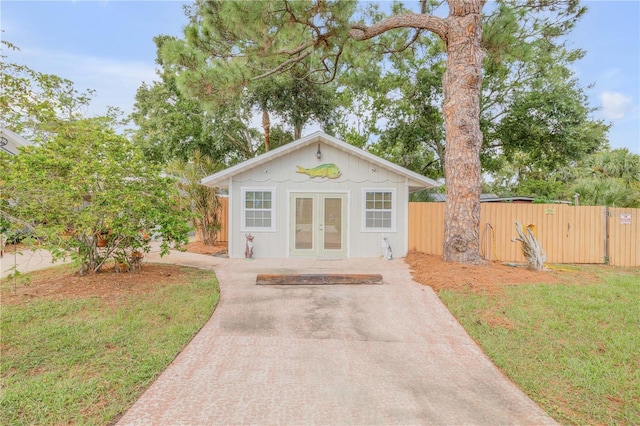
(223, 234)
(568, 234)
(623, 244)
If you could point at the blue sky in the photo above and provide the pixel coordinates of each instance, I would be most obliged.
(108, 46)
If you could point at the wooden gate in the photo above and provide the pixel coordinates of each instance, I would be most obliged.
(623, 232)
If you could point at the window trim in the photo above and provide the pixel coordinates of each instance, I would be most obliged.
(394, 210)
(243, 192)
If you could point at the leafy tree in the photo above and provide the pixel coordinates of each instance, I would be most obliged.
(289, 95)
(532, 110)
(294, 99)
(548, 128)
(203, 200)
(247, 41)
(517, 178)
(35, 104)
(398, 99)
(172, 125)
(85, 183)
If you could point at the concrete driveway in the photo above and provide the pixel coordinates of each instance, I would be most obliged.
(332, 355)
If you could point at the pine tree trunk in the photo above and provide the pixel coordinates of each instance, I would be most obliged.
(266, 125)
(462, 83)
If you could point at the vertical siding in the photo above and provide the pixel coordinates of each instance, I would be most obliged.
(568, 234)
(357, 174)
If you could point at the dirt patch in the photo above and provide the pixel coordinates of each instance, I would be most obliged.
(218, 249)
(431, 270)
(63, 283)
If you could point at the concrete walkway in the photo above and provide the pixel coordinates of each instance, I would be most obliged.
(329, 355)
(24, 261)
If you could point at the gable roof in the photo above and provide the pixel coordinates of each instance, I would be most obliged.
(221, 179)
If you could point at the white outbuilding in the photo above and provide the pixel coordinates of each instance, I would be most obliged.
(318, 197)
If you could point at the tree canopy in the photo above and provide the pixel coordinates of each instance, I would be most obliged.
(34, 104)
(173, 125)
(230, 45)
(84, 182)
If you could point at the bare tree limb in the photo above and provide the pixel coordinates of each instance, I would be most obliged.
(408, 20)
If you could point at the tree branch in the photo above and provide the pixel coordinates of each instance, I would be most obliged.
(409, 20)
(282, 67)
(388, 50)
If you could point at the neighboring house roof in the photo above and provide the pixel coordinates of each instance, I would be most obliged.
(441, 198)
(496, 199)
(221, 179)
(10, 141)
(493, 198)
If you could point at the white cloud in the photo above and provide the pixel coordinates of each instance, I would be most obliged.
(115, 81)
(615, 105)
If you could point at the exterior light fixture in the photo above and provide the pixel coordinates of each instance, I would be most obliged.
(319, 153)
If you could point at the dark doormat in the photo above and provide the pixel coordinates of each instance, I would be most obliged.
(318, 279)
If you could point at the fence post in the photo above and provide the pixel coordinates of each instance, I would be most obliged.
(605, 212)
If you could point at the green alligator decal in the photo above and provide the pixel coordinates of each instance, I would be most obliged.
(330, 171)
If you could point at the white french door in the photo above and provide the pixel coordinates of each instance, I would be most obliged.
(318, 224)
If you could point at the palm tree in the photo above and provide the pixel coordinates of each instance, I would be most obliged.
(610, 178)
(202, 200)
(617, 163)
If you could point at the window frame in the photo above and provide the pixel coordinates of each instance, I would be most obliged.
(243, 209)
(392, 210)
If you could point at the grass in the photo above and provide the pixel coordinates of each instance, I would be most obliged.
(574, 348)
(85, 361)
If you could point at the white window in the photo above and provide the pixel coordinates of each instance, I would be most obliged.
(379, 210)
(258, 209)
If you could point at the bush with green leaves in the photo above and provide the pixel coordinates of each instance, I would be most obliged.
(86, 183)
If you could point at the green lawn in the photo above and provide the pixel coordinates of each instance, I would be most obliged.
(85, 361)
(574, 348)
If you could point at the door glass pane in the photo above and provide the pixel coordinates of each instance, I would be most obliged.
(304, 224)
(333, 224)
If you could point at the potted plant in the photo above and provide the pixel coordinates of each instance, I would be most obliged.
(122, 265)
(102, 239)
